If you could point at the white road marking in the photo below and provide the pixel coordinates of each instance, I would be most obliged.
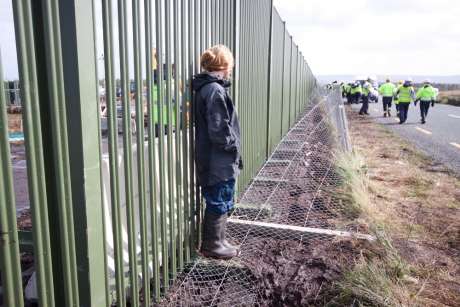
(455, 145)
(423, 130)
(396, 119)
(454, 116)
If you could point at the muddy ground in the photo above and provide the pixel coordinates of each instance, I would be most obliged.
(293, 274)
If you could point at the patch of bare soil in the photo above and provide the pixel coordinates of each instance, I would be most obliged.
(291, 274)
(419, 200)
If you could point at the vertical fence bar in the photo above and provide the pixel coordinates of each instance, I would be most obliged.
(203, 38)
(152, 157)
(59, 170)
(104, 211)
(139, 84)
(208, 23)
(195, 191)
(283, 86)
(169, 112)
(127, 148)
(236, 51)
(252, 103)
(192, 21)
(161, 132)
(107, 17)
(79, 75)
(10, 265)
(184, 128)
(33, 143)
(178, 107)
(269, 84)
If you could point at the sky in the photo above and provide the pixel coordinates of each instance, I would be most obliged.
(376, 37)
(354, 37)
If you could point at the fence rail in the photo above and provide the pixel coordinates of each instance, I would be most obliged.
(116, 215)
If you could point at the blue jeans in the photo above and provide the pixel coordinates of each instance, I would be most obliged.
(219, 197)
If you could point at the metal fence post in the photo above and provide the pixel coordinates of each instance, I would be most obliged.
(10, 267)
(33, 142)
(80, 81)
(270, 50)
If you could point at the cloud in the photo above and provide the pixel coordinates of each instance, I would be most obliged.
(376, 37)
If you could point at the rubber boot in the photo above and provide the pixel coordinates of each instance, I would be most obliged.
(223, 234)
(212, 245)
(389, 113)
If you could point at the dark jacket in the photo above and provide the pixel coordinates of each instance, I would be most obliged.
(217, 135)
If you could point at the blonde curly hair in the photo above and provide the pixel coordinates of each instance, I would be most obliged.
(217, 58)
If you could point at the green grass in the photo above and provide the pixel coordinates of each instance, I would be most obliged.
(354, 189)
(379, 276)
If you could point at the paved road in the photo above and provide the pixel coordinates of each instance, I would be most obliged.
(439, 137)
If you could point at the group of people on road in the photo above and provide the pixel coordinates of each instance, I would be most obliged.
(402, 94)
(360, 91)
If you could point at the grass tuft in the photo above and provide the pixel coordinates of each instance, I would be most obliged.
(379, 276)
(353, 191)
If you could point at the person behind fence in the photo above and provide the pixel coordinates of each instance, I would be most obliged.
(218, 155)
(406, 94)
(365, 97)
(342, 88)
(355, 92)
(395, 97)
(387, 90)
(347, 90)
(426, 95)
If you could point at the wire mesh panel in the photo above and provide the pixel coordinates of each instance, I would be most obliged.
(290, 202)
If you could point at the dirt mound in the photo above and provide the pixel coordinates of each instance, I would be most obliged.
(291, 274)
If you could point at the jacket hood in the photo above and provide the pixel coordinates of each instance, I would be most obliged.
(203, 79)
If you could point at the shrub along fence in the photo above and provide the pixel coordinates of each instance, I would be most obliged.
(116, 215)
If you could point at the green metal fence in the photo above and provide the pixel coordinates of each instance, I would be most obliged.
(116, 215)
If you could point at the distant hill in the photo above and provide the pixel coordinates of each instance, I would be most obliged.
(454, 79)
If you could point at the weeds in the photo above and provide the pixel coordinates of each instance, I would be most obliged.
(379, 276)
(353, 192)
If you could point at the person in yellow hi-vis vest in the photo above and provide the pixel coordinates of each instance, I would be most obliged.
(365, 97)
(395, 98)
(387, 90)
(426, 95)
(355, 92)
(406, 94)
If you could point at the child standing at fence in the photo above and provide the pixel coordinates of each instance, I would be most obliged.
(218, 155)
